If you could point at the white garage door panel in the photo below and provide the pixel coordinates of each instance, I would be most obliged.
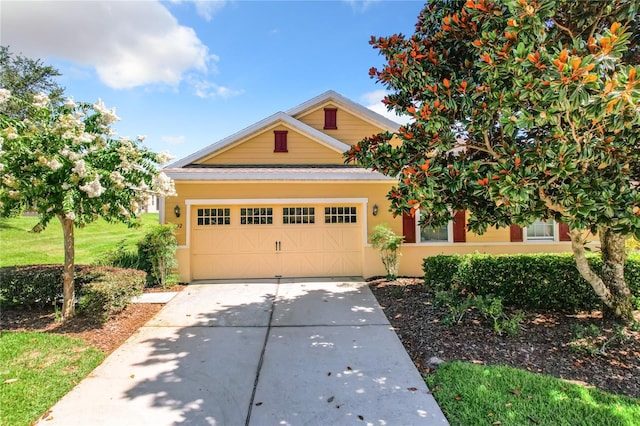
(289, 250)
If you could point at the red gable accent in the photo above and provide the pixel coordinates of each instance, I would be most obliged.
(280, 141)
(330, 118)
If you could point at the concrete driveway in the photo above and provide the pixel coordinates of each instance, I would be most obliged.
(257, 353)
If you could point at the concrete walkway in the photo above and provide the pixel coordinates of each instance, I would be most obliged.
(257, 353)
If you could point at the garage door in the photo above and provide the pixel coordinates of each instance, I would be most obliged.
(260, 241)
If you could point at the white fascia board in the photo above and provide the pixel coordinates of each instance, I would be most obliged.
(359, 110)
(273, 120)
(217, 146)
(281, 176)
(323, 138)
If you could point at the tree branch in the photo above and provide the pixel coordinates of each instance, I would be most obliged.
(550, 204)
(563, 28)
(572, 126)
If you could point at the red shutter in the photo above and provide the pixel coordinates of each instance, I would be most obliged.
(563, 231)
(516, 234)
(280, 137)
(330, 118)
(409, 228)
(459, 227)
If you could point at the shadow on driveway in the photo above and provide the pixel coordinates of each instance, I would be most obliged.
(312, 353)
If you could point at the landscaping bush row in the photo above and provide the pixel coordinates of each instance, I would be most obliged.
(155, 255)
(533, 281)
(100, 290)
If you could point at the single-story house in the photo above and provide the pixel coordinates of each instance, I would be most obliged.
(277, 199)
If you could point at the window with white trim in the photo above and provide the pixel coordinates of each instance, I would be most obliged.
(430, 234)
(296, 215)
(541, 230)
(340, 215)
(209, 216)
(256, 216)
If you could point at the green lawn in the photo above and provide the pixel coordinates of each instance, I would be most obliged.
(472, 394)
(19, 246)
(36, 370)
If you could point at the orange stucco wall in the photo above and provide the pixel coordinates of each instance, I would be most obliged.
(495, 241)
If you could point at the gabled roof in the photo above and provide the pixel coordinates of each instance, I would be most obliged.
(277, 118)
(287, 118)
(350, 105)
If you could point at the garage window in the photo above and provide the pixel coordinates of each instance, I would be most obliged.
(340, 215)
(207, 217)
(294, 215)
(256, 216)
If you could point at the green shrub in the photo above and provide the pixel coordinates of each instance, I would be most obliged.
(40, 286)
(385, 240)
(156, 252)
(120, 256)
(110, 292)
(30, 286)
(530, 281)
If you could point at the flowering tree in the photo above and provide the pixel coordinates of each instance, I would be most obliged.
(520, 110)
(64, 162)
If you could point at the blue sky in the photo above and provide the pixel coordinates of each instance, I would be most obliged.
(189, 73)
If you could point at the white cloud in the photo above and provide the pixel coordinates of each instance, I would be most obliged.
(207, 89)
(128, 43)
(205, 8)
(373, 101)
(360, 6)
(173, 140)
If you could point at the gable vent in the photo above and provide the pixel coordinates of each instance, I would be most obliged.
(330, 118)
(280, 138)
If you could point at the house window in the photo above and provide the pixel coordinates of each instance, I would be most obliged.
(294, 215)
(430, 234)
(541, 230)
(280, 137)
(330, 118)
(340, 215)
(208, 217)
(256, 216)
(453, 232)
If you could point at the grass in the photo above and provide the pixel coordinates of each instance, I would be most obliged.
(36, 370)
(471, 394)
(19, 246)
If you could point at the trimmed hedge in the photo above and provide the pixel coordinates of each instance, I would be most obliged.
(533, 281)
(101, 290)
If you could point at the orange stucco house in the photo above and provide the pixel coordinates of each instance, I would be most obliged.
(276, 199)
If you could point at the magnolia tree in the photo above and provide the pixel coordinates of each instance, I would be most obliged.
(64, 162)
(520, 110)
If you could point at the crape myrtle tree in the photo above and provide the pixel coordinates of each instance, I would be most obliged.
(519, 110)
(63, 162)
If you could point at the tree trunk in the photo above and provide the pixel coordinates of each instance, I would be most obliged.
(611, 288)
(612, 246)
(68, 272)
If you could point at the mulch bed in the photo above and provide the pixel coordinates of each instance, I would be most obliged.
(106, 337)
(543, 345)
